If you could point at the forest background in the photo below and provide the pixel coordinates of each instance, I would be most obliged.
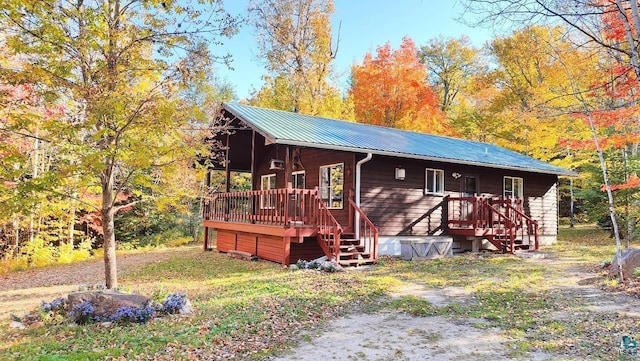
(106, 105)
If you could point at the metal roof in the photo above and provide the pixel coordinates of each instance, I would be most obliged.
(280, 127)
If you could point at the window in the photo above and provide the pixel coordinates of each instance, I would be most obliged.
(332, 184)
(470, 186)
(513, 187)
(297, 180)
(434, 182)
(267, 182)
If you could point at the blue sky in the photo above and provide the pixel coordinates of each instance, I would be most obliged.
(365, 26)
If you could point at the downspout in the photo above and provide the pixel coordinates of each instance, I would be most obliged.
(357, 200)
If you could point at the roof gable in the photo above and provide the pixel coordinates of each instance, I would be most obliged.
(288, 128)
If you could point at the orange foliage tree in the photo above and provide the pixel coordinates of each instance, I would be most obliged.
(391, 90)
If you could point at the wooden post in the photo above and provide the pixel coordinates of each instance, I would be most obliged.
(206, 238)
(286, 251)
(204, 209)
(252, 201)
(445, 214)
(288, 185)
(227, 167)
(352, 210)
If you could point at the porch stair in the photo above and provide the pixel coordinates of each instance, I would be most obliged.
(350, 251)
(500, 221)
(501, 239)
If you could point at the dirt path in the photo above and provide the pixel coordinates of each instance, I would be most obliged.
(397, 336)
(22, 291)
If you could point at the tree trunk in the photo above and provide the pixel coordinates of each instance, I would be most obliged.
(108, 228)
(605, 177)
(16, 234)
(72, 213)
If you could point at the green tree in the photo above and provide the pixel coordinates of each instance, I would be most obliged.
(294, 39)
(119, 66)
(452, 64)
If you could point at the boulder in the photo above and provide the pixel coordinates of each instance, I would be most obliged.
(106, 302)
(630, 260)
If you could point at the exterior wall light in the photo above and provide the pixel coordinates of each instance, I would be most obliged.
(400, 173)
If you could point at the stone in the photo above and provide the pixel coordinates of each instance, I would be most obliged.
(186, 308)
(18, 325)
(630, 260)
(106, 302)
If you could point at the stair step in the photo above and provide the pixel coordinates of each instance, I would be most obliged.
(355, 262)
(352, 247)
(351, 255)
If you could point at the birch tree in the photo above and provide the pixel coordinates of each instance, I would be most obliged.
(610, 27)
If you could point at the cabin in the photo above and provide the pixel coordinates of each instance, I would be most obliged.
(352, 192)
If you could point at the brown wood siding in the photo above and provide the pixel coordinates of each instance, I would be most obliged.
(246, 242)
(225, 241)
(393, 204)
(311, 161)
(270, 248)
(307, 250)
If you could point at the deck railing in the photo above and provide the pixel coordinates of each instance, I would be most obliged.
(499, 215)
(279, 207)
(329, 231)
(434, 222)
(368, 232)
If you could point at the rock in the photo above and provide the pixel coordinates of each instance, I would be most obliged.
(36, 324)
(18, 325)
(186, 308)
(106, 302)
(630, 260)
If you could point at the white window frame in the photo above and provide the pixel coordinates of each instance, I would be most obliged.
(293, 176)
(513, 181)
(437, 180)
(328, 201)
(267, 202)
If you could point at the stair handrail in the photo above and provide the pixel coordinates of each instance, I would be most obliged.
(326, 221)
(531, 224)
(369, 233)
(513, 217)
(507, 226)
(408, 230)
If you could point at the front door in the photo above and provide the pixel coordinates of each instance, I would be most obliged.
(469, 186)
(468, 189)
(295, 203)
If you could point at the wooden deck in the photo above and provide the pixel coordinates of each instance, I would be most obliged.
(501, 221)
(283, 224)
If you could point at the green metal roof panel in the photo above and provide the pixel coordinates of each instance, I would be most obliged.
(296, 129)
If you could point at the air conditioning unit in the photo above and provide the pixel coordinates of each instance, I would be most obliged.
(276, 164)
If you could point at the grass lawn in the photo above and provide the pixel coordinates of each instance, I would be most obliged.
(251, 310)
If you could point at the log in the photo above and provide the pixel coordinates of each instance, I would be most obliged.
(242, 255)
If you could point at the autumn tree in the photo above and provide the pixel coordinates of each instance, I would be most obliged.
(391, 90)
(609, 27)
(535, 90)
(294, 39)
(117, 67)
(452, 64)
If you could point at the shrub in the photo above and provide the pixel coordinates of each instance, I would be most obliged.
(327, 266)
(129, 314)
(174, 302)
(38, 253)
(83, 313)
(56, 305)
